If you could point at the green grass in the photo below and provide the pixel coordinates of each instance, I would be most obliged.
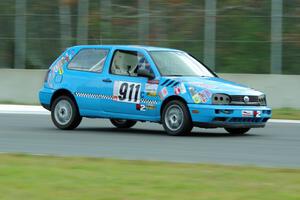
(41, 177)
(286, 113)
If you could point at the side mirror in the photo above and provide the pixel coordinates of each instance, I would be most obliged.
(145, 73)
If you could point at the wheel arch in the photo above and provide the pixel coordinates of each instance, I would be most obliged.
(171, 98)
(62, 92)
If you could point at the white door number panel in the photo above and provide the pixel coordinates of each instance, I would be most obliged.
(129, 92)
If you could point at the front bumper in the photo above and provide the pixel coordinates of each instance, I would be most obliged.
(228, 116)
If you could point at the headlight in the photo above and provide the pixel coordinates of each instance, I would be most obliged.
(262, 100)
(221, 99)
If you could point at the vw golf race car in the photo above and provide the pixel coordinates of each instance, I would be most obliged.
(127, 84)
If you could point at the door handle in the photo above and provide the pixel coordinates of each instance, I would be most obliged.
(107, 80)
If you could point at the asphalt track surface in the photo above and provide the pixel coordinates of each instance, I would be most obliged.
(276, 145)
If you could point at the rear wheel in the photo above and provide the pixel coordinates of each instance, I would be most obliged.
(64, 113)
(122, 123)
(176, 118)
(237, 131)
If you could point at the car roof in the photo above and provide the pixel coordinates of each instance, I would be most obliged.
(147, 48)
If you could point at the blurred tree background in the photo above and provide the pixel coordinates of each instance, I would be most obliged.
(242, 42)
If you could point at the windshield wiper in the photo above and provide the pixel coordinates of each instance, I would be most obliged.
(189, 75)
(175, 75)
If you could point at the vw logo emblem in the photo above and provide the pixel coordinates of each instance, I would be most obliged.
(246, 99)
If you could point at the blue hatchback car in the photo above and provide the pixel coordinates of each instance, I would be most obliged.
(127, 84)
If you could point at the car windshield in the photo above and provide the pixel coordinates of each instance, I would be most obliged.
(176, 63)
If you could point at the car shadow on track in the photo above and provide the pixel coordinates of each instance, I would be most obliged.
(137, 131)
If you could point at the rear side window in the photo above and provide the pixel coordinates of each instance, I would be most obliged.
(89, 60)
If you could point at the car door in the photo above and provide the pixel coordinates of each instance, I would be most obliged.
(85, 76)
(133, 96)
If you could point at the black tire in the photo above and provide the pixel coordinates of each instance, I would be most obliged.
(237, 131)
(120, 123)
(185, 124)
(74, 119)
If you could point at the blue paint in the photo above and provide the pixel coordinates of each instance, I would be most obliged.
(96, 98)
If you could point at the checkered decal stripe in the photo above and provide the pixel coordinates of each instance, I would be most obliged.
(93, 96)
(147, 101)
(101, 96)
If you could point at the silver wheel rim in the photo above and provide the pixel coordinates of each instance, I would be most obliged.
(174, 117)
(63, 112)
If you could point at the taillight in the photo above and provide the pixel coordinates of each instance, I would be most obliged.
(46, 76)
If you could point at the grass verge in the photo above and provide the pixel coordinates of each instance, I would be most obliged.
(41, 177)
(286, 113)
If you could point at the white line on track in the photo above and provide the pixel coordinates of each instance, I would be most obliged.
(23, 109)
(287, 121)
(39, 110)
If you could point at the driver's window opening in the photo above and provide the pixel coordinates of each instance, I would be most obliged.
(128, 62)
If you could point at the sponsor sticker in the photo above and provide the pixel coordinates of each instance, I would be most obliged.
(115, 98)
(153, 81)
(182, 88)
(60, 71)
(247, 113)
(150, 107)
(151, 89)
(151, 94)
(140, 107)
(196, 98)
(192, 91)
(203, 97)
(67, 58)
(195, 95)
(257, 113)
(56, 67)
(163, 93)
(177, 90)
(207, 93)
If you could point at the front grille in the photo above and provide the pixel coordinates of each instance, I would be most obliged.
(253, 100)
(240, 98)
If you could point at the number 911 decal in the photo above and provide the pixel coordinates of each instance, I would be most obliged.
(127, 92)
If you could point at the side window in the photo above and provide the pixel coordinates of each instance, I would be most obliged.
(127, 63)
(89, 60)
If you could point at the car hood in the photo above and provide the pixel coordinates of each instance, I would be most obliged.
(216, 85)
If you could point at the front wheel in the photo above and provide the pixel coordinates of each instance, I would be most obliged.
(122, 123)
(176, 118)
(64, 113)
(237, 131)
